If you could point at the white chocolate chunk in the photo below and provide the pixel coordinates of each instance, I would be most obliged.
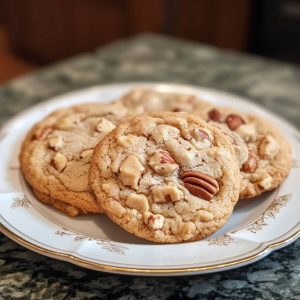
(247, 132)
(266, 182)
(127, 140)
(56, 142)
(86, 153)
(59, 162)
(155, 222)
(130, 171)
(138, 202)
(268, 147)
(104, 126)
(167, 193)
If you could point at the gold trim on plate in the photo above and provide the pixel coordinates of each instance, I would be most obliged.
(122, 270)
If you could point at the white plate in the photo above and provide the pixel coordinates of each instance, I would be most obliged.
(256, 227)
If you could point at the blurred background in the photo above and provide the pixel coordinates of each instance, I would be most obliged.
(34, 33)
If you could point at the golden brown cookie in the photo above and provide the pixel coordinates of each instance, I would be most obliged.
(55, 156)
(143, 99)
(269, 153)
(166, 177)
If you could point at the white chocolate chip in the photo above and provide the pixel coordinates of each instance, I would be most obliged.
(162, 163)
(127, 140)
(130, 171)
(111, 189)
(155, 222)
(59, 162)
(104, 126)
(115, 208)
(268, 147)
(266, 182)
(138, 202)
(56, 142)
(86, 153)
(205, 216)
(247, 132)
(116, 162)
(167, 193)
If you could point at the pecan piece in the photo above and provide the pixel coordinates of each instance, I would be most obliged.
(215, 115)
(251, 164)
(234, 121)
(200, 185)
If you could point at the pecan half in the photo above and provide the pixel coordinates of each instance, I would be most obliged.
(251, 164)
(234, 121)
(166, 157)
(200, 185)
(215, 115)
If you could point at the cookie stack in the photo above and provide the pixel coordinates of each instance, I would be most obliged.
(166, 167)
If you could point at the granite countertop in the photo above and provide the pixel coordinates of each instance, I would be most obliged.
(27, 275)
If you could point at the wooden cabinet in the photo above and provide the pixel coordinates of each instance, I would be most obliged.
(49, 30)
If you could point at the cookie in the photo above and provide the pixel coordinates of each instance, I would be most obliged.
(268, 154)
(142, 100)
(166, 177)
(55, 156)
(67, 209)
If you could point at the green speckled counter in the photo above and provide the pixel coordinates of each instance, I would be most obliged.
(26, 275)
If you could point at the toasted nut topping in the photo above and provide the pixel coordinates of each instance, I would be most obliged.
(234, 121)
(268, 147)
(215, 115)
(55, 143)
(130, 171)
(167, 193)
(155, 222)
(200, 185)
(251, 164)
(162, 163)
(42, 133)
(59, 162)
(138, 202)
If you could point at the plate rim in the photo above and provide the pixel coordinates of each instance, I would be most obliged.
(267, 248)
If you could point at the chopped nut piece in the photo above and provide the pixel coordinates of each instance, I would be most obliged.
(59, 162)
(105, 126)
(247, 132)
(127, 140)
(55, 142)
(155, 222)
(251, 164)
(138, 202)
(86, 153)
(215, 115)
(167, 193)
(130, 171)
(162, 163)
(268, 147)
(234, 121)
